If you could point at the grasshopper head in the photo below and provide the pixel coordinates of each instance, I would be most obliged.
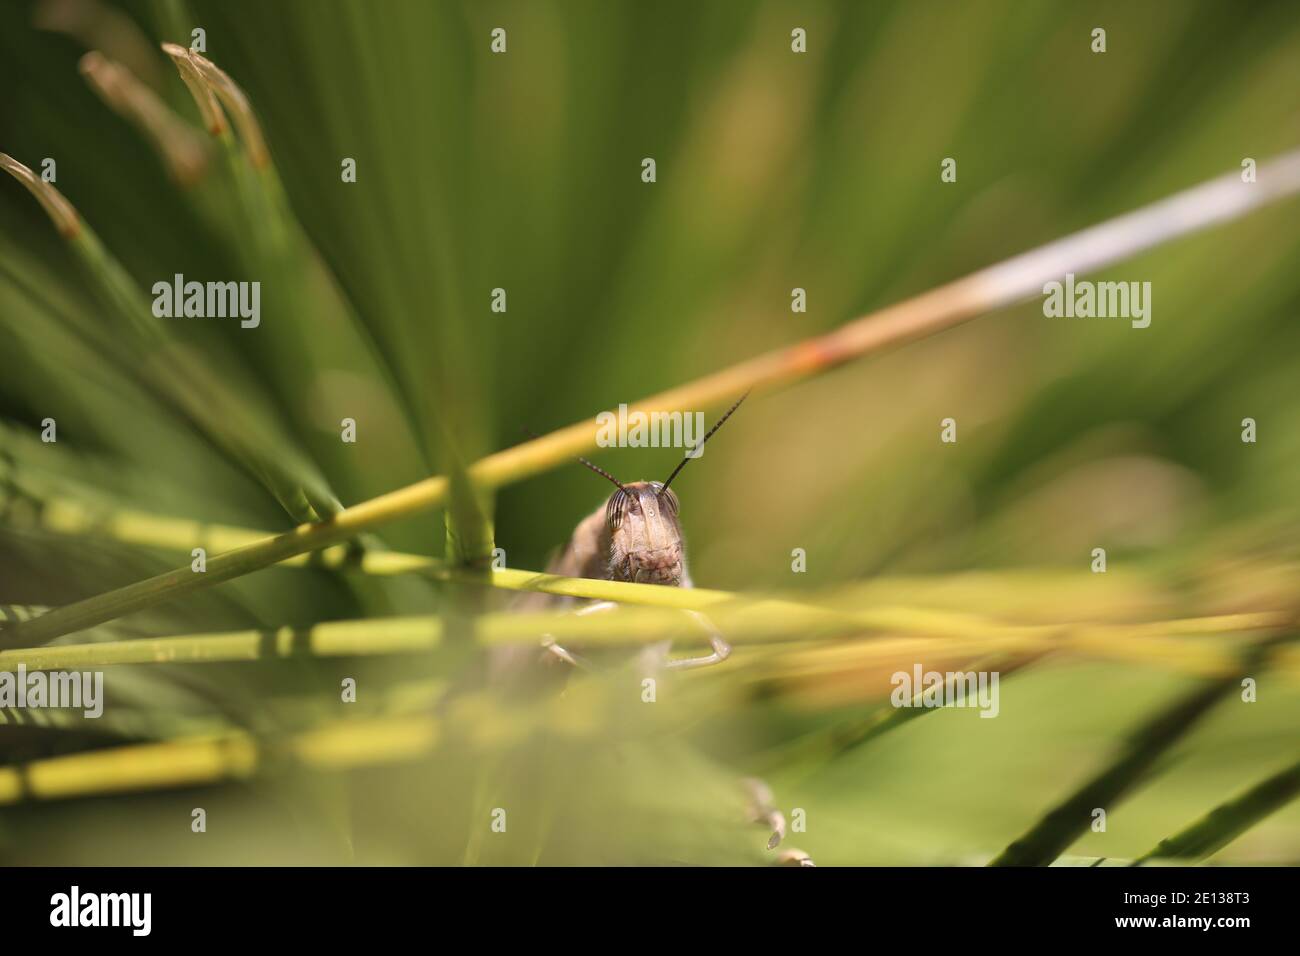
(645, 536)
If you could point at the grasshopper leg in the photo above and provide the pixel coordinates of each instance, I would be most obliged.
(793, 857)
(555, 650)
(551, 650)
(721, 649)
(762, 809)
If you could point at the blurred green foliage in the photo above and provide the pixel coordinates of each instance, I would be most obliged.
(774, 171)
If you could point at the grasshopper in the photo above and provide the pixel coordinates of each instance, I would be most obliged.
(635, 536)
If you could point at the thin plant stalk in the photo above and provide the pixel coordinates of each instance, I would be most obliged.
(207, 398)
(182, 149)
(1065, 823)
(1229, 820)
(210, 759)
(893, 634)
(818, 749)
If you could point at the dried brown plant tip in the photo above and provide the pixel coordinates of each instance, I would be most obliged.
(59, 209)
(216, 82)
(209, 109)
(233, 98)
(180, 147)
(102, 26)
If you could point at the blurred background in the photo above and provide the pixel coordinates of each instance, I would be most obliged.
(521, 170)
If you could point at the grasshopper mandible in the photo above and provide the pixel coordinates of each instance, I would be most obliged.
(637, 537)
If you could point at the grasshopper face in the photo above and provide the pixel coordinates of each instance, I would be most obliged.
(645, 538)
(641, 539)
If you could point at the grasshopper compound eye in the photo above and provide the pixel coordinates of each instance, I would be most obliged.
(667, 499)
(616, 509)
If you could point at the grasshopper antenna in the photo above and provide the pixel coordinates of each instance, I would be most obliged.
(592, 465)
(682, 463)
(602, 472)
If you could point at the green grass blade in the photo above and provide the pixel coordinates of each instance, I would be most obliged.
(214, 398)
(1055, 832)
(1230, 820)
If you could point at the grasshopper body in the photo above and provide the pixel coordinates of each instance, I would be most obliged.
(636, 537)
